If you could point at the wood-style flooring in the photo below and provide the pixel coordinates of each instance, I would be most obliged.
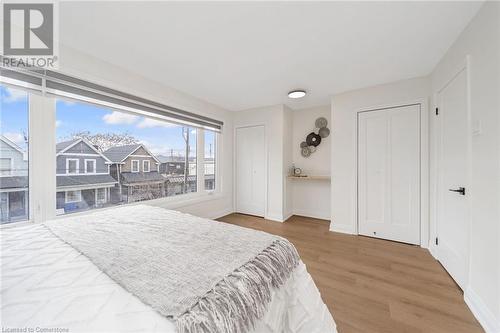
(373, 285)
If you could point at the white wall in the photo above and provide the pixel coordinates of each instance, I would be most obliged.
(273, 118)
(285, 129)
(288, 208)
(481, 41)
(98, 71)
(311, 197)
(343, 159)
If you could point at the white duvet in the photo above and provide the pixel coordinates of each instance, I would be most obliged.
(46, 284)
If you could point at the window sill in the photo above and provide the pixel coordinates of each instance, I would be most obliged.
(169, 203)
(183, 200)
(174, 202)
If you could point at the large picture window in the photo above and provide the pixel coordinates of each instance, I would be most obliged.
(124, 158)
(109, 147)
(14, 157)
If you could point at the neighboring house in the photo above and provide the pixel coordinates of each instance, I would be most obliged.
(171, 165)
(83, 179)
(13, 182)
(136, 171)
(175, 184)
(209, 173)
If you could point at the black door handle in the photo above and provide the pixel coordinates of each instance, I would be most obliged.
(460, 190)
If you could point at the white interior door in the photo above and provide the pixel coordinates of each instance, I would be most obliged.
(452, 208)
(389, 173)
(251, 170)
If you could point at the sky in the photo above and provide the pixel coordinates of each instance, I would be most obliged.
(159, 137)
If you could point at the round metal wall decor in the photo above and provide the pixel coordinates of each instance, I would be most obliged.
(324, 132)
(313, 139)
(321, 122)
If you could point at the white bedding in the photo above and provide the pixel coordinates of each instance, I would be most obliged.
(45, 283)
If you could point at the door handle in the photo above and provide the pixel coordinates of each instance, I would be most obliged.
(460, 190)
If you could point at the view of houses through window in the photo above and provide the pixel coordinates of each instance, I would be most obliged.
(14, 121)
(104, 157)
(107, 157)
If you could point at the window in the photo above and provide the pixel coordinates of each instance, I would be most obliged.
(209, 165)
(72, 165)
(101, 195)
(73, 196)
(135, 166)
(125, 158)
(145, 166)
(95, 146)
(5, 166)
(90, 166)
(14, 161)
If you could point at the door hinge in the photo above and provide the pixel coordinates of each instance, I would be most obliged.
(437, 111)
(437, 241)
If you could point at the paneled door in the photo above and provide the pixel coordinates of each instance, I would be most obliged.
(251, 169)
(389, 173)
(452, 206)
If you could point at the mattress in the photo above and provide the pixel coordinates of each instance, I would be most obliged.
(47, 284)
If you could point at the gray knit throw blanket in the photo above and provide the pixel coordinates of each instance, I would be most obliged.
(207, 276)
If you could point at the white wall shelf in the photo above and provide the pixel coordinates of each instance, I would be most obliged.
(311, 177)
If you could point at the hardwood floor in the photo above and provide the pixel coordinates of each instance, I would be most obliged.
(372, 285)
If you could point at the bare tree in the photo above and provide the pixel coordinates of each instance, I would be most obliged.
(104, 141)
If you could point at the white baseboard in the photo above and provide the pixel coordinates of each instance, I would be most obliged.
(342, 228)
(287, 216)
(274, 218)
(485, 317)
(314, 215)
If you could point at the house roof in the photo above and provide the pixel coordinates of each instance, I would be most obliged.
(13, 182)
(173, 179)
(142, 177)
(179, 179)
(60, 146)
(10, 143)
(84, 180)
(118, 154)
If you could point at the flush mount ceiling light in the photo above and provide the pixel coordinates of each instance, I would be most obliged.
(297, 93)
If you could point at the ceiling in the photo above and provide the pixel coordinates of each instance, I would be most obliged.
(241, 55)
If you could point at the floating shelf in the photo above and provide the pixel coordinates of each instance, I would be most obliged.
(310, 177)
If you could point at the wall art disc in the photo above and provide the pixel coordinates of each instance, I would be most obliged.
(324, 132)
(303, 144)
(305, 152)
(313, 139)
(321, 122)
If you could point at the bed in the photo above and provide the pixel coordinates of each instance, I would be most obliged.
(50, 284)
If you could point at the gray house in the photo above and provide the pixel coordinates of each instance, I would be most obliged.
(171, 165)
(136, 170)
(83, 179)
(13, 182)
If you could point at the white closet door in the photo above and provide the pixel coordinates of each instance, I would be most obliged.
(389, 173)
(251, 170)
(453, 212)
